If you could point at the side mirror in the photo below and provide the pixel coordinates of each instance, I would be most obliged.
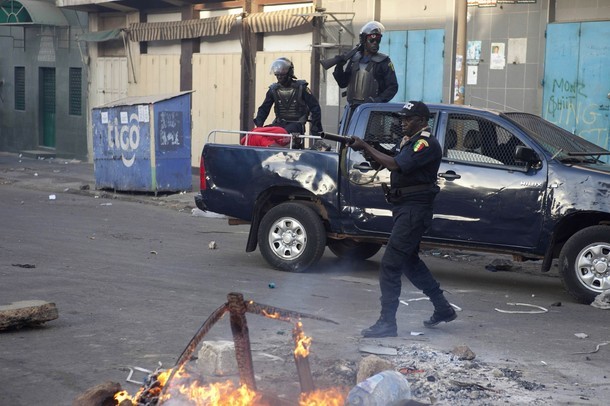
(527, 155)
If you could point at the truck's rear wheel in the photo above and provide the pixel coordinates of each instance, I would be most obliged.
(292, 237)
(584, 263)
(354, 250)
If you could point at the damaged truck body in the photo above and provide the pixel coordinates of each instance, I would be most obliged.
(511, 183)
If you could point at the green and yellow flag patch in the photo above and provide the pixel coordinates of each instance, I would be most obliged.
(419, 145)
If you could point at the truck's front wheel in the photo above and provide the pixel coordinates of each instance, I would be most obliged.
(584, 263)
(292, 237)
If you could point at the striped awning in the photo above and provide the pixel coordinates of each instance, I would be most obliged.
(175, 30)
(282, 20)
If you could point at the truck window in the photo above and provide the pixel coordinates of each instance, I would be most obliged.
(383, 129)
(472, 139)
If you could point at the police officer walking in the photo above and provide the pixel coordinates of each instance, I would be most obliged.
(369, 75)
(292, 101)
(412, 191)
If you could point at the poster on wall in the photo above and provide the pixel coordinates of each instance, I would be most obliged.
(497, 60)
(473, 73)
(517, 50)
(473, 53)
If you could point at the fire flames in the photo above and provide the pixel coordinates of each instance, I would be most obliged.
(186, 390)
(302, 342)
(224, 394)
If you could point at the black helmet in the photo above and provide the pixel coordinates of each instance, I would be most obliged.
(283, 66)
(372, 27)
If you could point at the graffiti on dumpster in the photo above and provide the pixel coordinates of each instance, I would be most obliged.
(170, 129)
(569, 107)
(125, 139)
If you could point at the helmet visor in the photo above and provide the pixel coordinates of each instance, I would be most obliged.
(280, 67)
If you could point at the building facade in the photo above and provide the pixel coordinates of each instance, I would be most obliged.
(539, 56)
(43, 80)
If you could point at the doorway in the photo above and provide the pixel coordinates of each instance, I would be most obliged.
(47, 107)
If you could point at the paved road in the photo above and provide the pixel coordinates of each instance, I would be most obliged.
(133, 281)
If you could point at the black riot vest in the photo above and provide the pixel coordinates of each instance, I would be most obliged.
(288, 102)
(362, 83)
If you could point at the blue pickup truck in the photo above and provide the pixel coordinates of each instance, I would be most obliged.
(511, 183)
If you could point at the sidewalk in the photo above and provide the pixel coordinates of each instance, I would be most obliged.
(57, 176)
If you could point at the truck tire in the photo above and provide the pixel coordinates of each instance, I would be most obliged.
(584, 263)
(292, 237)
(353, 250)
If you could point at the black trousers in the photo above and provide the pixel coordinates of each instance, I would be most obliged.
(402, 257)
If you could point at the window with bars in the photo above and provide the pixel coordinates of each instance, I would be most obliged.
(75, 92)
(20, 88)
(476, 140)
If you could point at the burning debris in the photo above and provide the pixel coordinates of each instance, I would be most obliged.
(176, 386)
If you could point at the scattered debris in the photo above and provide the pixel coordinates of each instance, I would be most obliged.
(28, 266)
(153, 252)
(595, 350)
(581, 335)
(602, 301)
(463, 353)
(105, 204)
(131, 373)
(500, 265)
(27, 313)
(372, 365)
(540, 309)
(212, 245)
(52, 197)
(271, 285)
(195, 212)
(102, 394)
(377, 349)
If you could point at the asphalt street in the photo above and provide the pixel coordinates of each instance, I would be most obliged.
(133, 277)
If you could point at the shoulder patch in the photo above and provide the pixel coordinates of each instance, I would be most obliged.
(419, 145)
(391, 65)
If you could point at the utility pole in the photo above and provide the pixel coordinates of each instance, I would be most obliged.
(461, 10)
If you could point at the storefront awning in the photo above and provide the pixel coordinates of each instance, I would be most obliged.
(282, 20)
(31, 12)
(101, 36)
(175, 30)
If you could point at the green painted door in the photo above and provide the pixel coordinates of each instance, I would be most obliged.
(47, 104)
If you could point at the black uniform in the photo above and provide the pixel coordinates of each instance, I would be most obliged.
(412, 192)
(367, 78)
(292, 106)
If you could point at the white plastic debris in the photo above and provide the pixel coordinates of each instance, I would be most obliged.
(581, 335)
(417, 333)
(212, 245)
(52, 197)
(540, 309)
(105, 204)
(195, 212)
(602, 301)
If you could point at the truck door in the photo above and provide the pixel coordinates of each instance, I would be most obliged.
(368, 208)
(486, 197)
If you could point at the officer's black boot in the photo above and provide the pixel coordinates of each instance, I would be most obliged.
(384, 327)
(443, 311)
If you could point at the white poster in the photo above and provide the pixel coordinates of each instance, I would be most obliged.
(473, 72)
(517, 50)
(498, 59)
